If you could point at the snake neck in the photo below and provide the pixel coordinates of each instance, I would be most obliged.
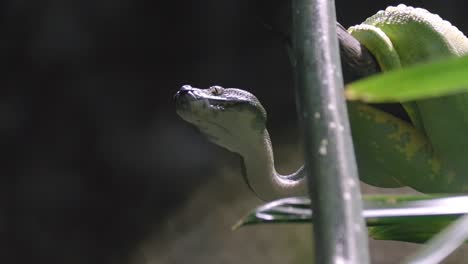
(261, 175)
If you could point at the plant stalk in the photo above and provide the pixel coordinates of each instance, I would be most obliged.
(339, 230)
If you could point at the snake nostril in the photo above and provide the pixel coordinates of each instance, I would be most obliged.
(185, 88)
(183, 93)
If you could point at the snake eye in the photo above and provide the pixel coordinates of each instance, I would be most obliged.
(216, 90)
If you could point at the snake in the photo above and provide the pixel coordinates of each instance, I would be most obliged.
(427, 154)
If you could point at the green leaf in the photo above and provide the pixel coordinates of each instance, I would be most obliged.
(435, 79)
(401, 218)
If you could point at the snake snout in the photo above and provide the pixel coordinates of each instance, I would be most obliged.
(185, 89)
(185, 93)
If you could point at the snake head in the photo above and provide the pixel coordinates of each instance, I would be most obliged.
(228, 117)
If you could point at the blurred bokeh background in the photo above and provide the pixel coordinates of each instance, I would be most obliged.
(97, 166)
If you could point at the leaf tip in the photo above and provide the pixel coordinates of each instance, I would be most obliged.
(238, 225)
(351, 94)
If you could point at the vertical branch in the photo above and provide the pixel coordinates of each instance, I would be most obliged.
(339, 229)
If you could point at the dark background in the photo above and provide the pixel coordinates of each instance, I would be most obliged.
(94, 154)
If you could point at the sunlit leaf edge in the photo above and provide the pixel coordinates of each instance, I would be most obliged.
(439, 78)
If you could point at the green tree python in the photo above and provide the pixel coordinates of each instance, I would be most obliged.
(430, 154)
